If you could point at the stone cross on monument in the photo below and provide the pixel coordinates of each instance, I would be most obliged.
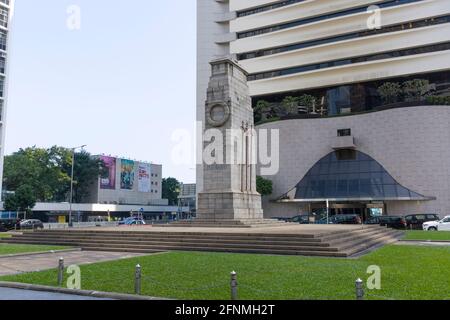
(229, 192)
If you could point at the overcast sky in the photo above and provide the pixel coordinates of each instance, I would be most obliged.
(122, 84)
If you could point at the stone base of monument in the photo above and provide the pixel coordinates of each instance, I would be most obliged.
(240, 206)
(225, 223)
(229, 210)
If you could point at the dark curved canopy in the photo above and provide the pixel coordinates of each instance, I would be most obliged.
(350, 175)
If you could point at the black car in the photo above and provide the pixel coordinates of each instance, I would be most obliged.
(31, 224)
(416, 221)
(394, 222)
(302, 219)
(341, 219)
(8, 225)
(373, 221)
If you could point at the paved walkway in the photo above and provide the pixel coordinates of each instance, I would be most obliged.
(18, 294)
(424, 243)
(32, 263)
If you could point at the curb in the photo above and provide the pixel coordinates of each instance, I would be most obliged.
(85, 293)
(432, 241)
(38, 253)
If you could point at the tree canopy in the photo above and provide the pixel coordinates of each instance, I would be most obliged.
(264, 186)
(171, 190)
(45, 174)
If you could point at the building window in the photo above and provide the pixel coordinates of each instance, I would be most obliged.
(356, 177)
(356, 35)
(348, 61)
(344, 132)
(359, 97)
(385, 4)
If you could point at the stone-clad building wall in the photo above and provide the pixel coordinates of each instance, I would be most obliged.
(413, 145)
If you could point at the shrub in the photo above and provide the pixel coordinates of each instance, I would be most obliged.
(438, 101)
(263, 111)
(415, 89)
(264, 186)
(308, 101)
(390, 92)
(290, 105)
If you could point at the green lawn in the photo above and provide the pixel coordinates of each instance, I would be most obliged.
(427, 235)
(6, 248)
(408, 272)
(4, 235)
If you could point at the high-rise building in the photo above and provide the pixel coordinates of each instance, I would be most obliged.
(6, 15)
(358, 90)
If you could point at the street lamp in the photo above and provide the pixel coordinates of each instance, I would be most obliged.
(71, 184)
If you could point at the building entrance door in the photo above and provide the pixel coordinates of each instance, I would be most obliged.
(364, 210)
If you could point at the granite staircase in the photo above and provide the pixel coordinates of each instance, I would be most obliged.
(343, 243)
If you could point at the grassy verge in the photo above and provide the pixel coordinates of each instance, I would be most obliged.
(408, 272)
(6, 248)
(427, 235)
(4, 235)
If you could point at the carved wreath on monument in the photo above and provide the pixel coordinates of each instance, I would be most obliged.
(217, 114)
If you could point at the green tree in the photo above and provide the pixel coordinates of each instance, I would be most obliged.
(47, 172)
(290, 105)
(38, 168)
(87, 170)
(308, 101)
(416, 89)
(23, 199)
(262, 111)
(171, 190)
(264, 186)
(390, 92)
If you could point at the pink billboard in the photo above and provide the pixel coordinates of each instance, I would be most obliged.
(108, 180)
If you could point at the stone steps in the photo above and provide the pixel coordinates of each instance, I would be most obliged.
(199, 223)
(184, 241)
(343, 243)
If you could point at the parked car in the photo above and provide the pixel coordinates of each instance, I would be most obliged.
(395, 222)
(301, 219)
(136, 222)
(442, 225)
(127, 220)
(416, 221)
(8, 225)
(373, 220)
(342, 219)
(285, 219)
(31, 224)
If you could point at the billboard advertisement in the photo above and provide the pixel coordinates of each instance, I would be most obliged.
(144, 177)
(127, 174)
(108, 180)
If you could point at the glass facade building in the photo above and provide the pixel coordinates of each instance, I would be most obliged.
(350, 175)
(6, 15)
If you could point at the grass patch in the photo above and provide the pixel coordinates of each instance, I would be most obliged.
(6, 248)
(408, 272)
(428, 235)
(4, 235)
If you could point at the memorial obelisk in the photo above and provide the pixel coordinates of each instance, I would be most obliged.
(229, 193)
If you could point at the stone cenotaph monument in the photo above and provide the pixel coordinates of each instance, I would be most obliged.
(229, 194)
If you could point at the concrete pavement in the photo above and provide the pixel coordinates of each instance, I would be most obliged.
(18, 294)
(33, 263)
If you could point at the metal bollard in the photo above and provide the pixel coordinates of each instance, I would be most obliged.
(137, 280)
(359, 290)
(234, 286)
(60, 272)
